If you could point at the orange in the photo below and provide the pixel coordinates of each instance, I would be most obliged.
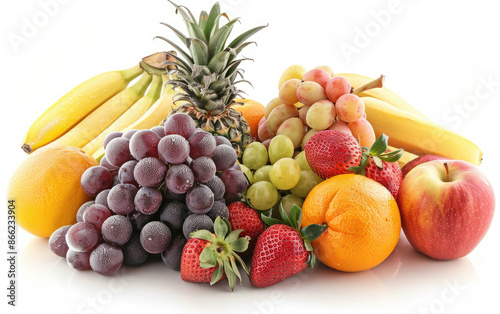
(363, 222)
(252, 111)
(46, 188)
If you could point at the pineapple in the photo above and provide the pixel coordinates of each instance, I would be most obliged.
(206, 75)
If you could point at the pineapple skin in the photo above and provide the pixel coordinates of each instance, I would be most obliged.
(229, 123)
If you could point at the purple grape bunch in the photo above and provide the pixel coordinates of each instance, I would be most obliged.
(151, 190)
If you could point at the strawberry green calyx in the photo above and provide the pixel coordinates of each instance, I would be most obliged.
(294, 220)
(222, 251)
(378, 152)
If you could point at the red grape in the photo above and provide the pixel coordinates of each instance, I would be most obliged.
(224, 157)
(217, 187)
(78, 260)
(203, 169)
(179, 178)
(150, 172)
(106, 259)
(173, 149)
(109, 137)
(96, 214)
(83, 237)
(95, 179)
(159, 130)
(144, 143)
(155, 237)
(117, 229)
(121, 198)
(181, 124)
(126, 173)
(199, 199)
(147, 200)
(235, 181)
(201, 144)
(118, 151)
(57, 241)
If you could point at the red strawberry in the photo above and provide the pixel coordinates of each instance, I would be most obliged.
(209, 257)
(379, 164)
(283, 250)
(245, 217)
(330, 153)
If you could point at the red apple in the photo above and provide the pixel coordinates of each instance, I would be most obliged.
(420, 160)
(446, 208)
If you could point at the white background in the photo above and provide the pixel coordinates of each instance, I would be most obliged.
(435, 54)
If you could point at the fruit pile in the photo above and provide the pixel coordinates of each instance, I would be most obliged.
(191, 172)
(153, 188)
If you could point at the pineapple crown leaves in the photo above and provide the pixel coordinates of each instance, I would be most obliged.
(207, 53)
(378, 153)
(222, 251)
(294, 220)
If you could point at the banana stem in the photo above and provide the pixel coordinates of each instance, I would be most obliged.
(132, 73)
(376, 83)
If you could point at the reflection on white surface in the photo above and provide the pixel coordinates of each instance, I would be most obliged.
(407, 282)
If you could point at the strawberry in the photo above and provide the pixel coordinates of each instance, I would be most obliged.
(330, 153)
(379, 164)
(245, 217)
(208, 257)
(283, 249)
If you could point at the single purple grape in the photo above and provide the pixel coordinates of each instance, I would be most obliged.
(219, 209)
(102, 198)
(150, 172)
(117, 230)
(217, 187)
(82, 209)
(222, 140)
(201, 144)
(109, 137)
(199, 199)
(133, 252)
(144, 143)
(235, 166)
(57, 241)
(203, 169)
(155, 237)
(128, 134)
(118, 151)
(139, 220)
(121, 198)
(96, 179)
(83, 237)
(173, 215)
(147, 200)
(159, 130)
(96, 214)
(105, 163)
(172, 255)
(181, 124)
(78, 260)
(235, 181)
(106, 259)
(179, 178)
(197, 222)
(126, 173)
(231, 198)
(173, 149)
(224, 157)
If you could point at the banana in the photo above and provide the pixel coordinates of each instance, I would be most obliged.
(293, 71)
(130, 116)
(417, 135)
(101, 118)
(383, 93)
(157, 112)
(75, 106)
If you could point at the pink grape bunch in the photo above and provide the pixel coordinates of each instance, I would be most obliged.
(151, 190)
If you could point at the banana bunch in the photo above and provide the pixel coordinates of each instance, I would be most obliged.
(408, 128)
(104, 104)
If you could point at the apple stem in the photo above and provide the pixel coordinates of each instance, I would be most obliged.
(447, 172)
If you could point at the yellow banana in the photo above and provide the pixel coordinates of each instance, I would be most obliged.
(153, 117)
(130, 116)
(417, 135)
(101, 118)
(75, 106)
(383, 93)
(157, 112)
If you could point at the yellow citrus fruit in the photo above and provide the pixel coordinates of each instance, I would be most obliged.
(252, 111)
(46, 188)
(363, 222)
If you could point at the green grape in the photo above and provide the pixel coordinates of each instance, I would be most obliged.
(262, 174)
(289, 200)
(302, 161)
(262, 195)
(308, 180)
(247, 172)
(285, 173)
(280, 147)
(255, 156)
